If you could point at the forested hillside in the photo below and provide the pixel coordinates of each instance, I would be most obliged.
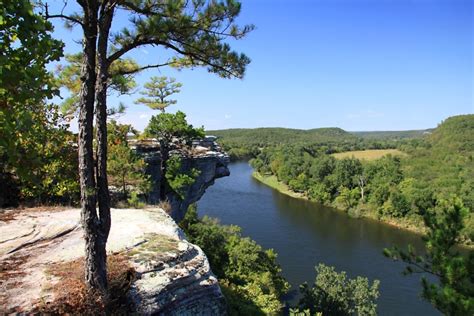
(396, 189)
(277, 135)
(394, 135)
(445, 162)
(246, 143)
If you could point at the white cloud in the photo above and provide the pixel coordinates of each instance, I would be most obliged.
(227, 116)
(144, 116)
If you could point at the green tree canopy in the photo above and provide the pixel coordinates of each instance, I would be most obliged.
(157, 90)
(35, 147)
(27, 47)
(335, 294)
(168, 125)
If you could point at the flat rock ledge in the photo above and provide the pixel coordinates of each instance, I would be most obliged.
(173, 275)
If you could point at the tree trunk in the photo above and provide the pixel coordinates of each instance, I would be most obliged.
(95, 261)
(124, 186)
(164, 151)
(362, 186)
(105, 22)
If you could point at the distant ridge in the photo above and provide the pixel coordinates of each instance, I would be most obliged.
(276, 135)
(450, 130)
(272, 135)
(394, 134)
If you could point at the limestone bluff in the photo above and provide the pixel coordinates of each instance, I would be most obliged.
(173, 275)
(204, 155)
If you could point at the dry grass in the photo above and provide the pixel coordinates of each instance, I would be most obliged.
(165, 206)
(371, 154)
(11, 272)
(7, 215)
(71, 295)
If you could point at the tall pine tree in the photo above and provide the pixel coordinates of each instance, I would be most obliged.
(194, 32)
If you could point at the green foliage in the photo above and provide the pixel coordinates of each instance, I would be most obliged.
(335, 294)
(345, 172)
(454, 293)
(247, 143)
(298, 312)
(50, 173)
(118, 133)
(274, 136)
(196, 33)
(393, 135)
(124, 167)
(445, 162)
(319, 193)
(134, 200)
(168, 125)
(35, 147)
(249, 275)
(391, 188)
(25, 40)
(300, 183)
(397, 205)
(176, 178)
(238, 301)
(455, 133)
(70, 78)
(158, 89)
(347, 198)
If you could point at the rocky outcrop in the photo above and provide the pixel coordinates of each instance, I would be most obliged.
(211, 165)
(173, 275)
(205, 156)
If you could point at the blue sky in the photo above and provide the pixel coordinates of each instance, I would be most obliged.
(354, 64)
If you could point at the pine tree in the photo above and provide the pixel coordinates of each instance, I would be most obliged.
(195, 32)
(157, 91)
(454, 294)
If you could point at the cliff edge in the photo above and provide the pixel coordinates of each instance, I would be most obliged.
(204, 155)
(173, 276)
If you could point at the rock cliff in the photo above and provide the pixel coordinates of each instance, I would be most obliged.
(205, 156)
(173, 275)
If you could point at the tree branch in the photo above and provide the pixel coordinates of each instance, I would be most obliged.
(136, 42)
(197, 56)
(61, 16)
(133, 71)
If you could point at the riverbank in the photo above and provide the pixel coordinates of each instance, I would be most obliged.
(273, 182)
(304, 234)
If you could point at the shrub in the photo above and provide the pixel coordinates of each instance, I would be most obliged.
(177, 179)
(335, 294)
(134, 200)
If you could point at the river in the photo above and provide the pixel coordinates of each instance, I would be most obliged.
(304, 233)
